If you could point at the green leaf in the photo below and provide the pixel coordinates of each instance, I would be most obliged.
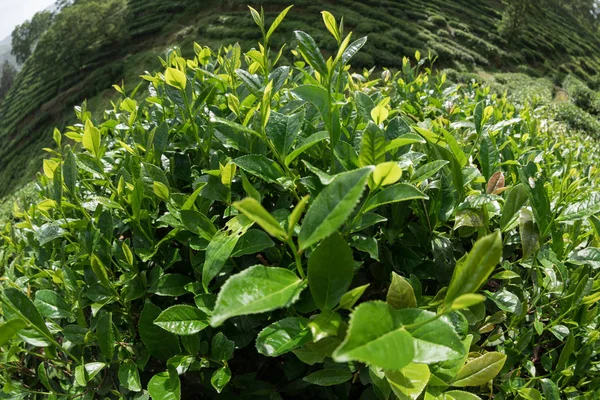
(353, 49)
(252, 242)
(460, 395)
(222, 348)
(257, 213)
(387, 173)
(515, 200)
(351, 297)
(428, 170)
(52, 305)
(9, 329)
(198, 223)
(297, 214)
(472, 272)
(161, 344)
(528, 232)
(175, 78)
(466, 301)
(550, 389)
(375, 335)
(161, 191)
(220, 378)
(129, 376)
(277, 21)
(91, 138)
(283, 336)
(506, 301)
(221, 247)
(480, 370)
(372, 147)
(165, 386)
(328, 377)
(333, 206)
(25, 309)
(255, 290)
(182, 320)
(325, 325)
(331, 25)
(105, 335)
(283, 130)
(400, 293)
(69, 171)
(330, 271)
(409, 382)
(393, 194)
(171, 285)
(310, 52)
(260, 166)
(581, 209)
(305, 145)
(404, 140)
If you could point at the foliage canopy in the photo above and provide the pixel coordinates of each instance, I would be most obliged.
(253, 229)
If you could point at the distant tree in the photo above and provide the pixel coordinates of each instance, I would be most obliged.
(518, 13)
(26, 35)
(7, 77)
(78, 30)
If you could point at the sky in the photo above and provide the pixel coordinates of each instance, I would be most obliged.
(15, 12)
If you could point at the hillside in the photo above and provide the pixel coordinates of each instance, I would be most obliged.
(461, 33)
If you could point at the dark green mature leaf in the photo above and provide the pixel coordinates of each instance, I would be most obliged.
(333, 206)
(283, 336)
(283, 130)
(590, 256)
(377, 335)
(161, 344)
(48, 232)
(328, 377)
(171, 285)
(352, 49)
(9, 329)
(70, 171)
(582, 209)
(395, 193)
(51, 304)
(400, 293)
(255, 290)
(165, 386)
(261, 166)
(515, 200)
(252, 242)
(182, 320)
(198, 223)
(472, 272)
(20, 304)
(310, 52)
(480, 370)
(221, 347)
(529, 235)
(221, 246)
(105, 335)
(305, 145)
(330, 271)
(372, 147)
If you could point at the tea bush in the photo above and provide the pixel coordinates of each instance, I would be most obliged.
(249, 230)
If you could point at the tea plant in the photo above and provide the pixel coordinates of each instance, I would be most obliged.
(251, 229)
